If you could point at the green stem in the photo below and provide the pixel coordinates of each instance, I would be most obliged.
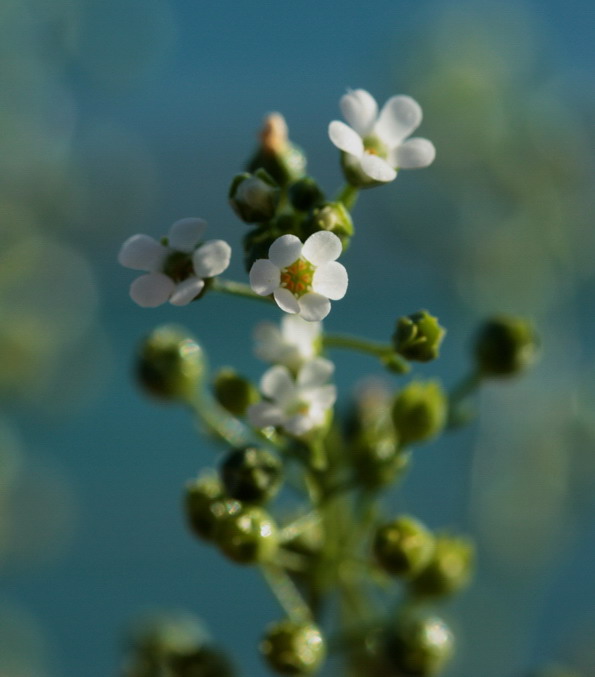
(459, 412)
(237, 289)
(348, 196)
(286, 593)
(219, 422)
(383, 351)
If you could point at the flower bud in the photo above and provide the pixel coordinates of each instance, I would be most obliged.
(233, 392)
(257, 243)
(170, 364)
(419, 411)
(254, 197)
(205, 661)
(292, 648)
(505, 346)
(403, 547)
(248, 535)
(205, 505)
(418, 337)
(379, 463)
(277, 155)
(419, 646)
(305, 194)
(335, 217)
(251, 475)
(448, 570)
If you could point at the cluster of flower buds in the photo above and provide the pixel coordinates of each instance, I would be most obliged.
(284, 432)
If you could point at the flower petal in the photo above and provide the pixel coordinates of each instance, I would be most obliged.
(360, 109)
(185, 234)
(413, 154)
(324, 397)
(322, 247)
(286, 300)
(277, 384)
(269, 344)
(264, 277)
(265, 414)
(377, 168)
(186, 291)
(150, 291)
(315, 373)
(301, 335)
(330, 280)
(345, 138)
(142, 252)
(300, 424)
(285, 250)
(399, 116)
(314, 307)
(212, 258)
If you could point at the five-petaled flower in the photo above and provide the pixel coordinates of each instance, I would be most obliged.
(177, 267)
(377, 144)
(296, 405)
(293, 343)
(302, 277)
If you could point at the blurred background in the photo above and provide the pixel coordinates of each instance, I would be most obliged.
(121, 116)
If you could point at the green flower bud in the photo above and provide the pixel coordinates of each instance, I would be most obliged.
(418, 337)
(234, 392)
(248, 536)
(305, 194)
(419, 646)
(257, 243)
(205, 505)
(449, 569)
(251, 475)
(419, 411)
(205, 661)
(379, 463)
(335, 217)
(277, 155)
(505, 346)
(254, 197)
(157, 637)
(292, 648)
(170, 364)
(403, 547)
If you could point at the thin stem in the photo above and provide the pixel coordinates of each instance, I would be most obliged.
(383, 351)
(459, 412)
(348, 196)
(237, 289)
(286, 593)
(219, 422)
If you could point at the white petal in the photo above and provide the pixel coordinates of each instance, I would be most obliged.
(399, 116)
(377, 168)
(141, 252)
(299, 424)
(345, 138)
(277, 384)
(269, 342)
(150, 291)
(264, 277)
(212, 258)
(185, 234)
(186, 291)
(324, 397)
(330, 280)
(286, 300)
(413, 154)
(301, 334)
(285, 250)
(322, 247)
(315, 373)
(314, 307)
(265, 414)
(359, 109)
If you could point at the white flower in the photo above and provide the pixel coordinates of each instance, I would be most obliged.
(302, 277)
(292, 344)
(297, 405)
(378, 144)
(177, 270)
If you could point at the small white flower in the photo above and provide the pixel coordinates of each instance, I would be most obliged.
(176, 270)
(293, 343)
(302, 277)
(297, 405)
(378, 143)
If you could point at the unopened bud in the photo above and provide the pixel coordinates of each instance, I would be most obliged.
(403, 547)
(205, 505)
(171, 364)
(233, 392)
(419, 411)
(248, 536)
(449, 569)
(251, 475)
(505, 346)
(254, 197)
(418, 337)
(305, 194)
(292, 648)
(334, 217)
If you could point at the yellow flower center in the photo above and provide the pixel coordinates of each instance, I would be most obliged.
(297, 278)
